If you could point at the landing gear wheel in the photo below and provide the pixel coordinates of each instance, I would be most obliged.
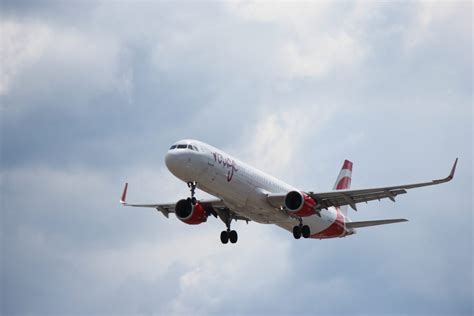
(233, 236)
(305, 231)
(224, 237)
(297, 232)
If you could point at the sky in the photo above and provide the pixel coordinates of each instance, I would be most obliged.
(93, 93)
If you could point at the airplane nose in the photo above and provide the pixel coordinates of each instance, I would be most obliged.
(171, 161)
(176, 163)
(179, 164)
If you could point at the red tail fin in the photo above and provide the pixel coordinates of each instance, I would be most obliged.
(343, 181)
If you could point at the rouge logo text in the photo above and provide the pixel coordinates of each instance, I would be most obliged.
(226, 163)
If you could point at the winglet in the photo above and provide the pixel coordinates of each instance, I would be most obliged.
(451, 174)
(124, 194)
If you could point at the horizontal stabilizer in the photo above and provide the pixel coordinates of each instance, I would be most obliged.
(374, 223)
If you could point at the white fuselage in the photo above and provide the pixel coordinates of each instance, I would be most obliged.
(241, 187)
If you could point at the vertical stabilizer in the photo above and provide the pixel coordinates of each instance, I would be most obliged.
(343, 181)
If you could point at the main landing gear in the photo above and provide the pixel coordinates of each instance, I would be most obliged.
(226, 217)
(301, 230)
(228, 234)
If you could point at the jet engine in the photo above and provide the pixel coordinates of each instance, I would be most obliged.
(190, 214)
(300, 203)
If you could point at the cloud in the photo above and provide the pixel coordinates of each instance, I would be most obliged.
(309, 45)
(19, 49)
(433, 17)
(32, 47)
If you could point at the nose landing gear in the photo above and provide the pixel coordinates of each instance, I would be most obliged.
(192, 186)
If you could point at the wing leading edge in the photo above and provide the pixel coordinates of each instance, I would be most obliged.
(339, 198)
(216, 207)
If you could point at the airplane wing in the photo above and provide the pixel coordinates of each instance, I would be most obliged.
(215, 207)
(339, 198)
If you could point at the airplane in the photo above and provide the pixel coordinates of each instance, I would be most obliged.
(245, 193)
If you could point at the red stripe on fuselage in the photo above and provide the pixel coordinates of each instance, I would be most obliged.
(337, 229)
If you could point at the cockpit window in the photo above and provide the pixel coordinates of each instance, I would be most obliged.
(183, 146)
(192, 147)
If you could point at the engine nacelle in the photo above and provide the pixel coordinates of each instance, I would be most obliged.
(300, 203)
(190, 214)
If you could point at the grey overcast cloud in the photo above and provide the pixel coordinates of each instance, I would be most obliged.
(93, 93)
